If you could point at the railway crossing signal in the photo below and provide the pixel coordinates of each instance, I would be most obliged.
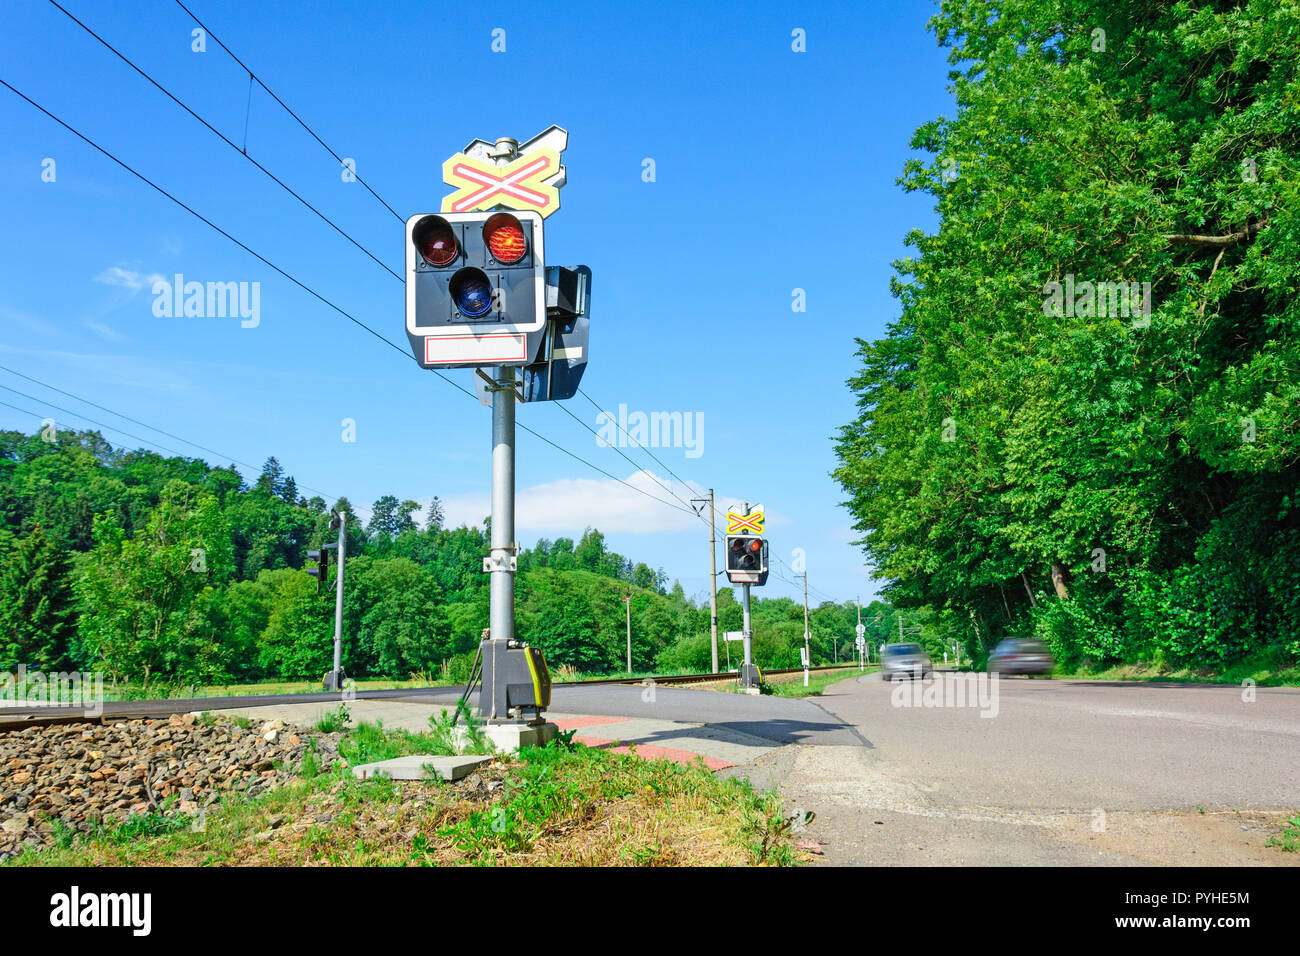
(746, 559)
(525, 175)
(475, 288)
(746, 548)
(561, 357)
(479, 295)
(322, 569)
(746, 522)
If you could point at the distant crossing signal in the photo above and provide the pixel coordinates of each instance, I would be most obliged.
(322, 570)
(746, 559)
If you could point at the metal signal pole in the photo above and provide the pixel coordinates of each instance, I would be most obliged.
(338, 603)
(749, 634)
(501, 607)
(627, 600)
(713, 586)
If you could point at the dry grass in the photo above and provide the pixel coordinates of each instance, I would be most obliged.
(555, 807)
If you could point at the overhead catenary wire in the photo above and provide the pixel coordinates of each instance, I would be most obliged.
(331, 151)
(54, 388)
(225, 139)
(153, 442)
(152, 445)
(351, 318)
(254, 78)
(258, 80)
(339, 229)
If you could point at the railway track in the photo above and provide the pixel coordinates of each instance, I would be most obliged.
(17, 717)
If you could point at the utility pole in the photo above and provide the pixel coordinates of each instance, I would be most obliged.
(627, 600)
(713, 577)
(806, 635)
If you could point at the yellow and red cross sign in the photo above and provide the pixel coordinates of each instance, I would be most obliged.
(517, 185)
(739, 524)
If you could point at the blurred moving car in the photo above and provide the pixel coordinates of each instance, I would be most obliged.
(904, 660)
(1021, 656)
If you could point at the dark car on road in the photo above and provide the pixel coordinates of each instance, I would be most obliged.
(1021, 656)
(904, 660)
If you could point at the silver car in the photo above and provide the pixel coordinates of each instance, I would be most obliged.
(904, 660)
(1021, 656)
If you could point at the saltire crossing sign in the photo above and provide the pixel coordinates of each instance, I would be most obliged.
(531, 180)
(751, 523)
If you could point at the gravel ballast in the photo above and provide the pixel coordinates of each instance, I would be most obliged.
(94, 775)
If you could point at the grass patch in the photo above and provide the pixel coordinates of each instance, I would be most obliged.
(791, 685)
(1289, 838)
(1266, 669)
(563, 805)
(335, 721)
(817, 683)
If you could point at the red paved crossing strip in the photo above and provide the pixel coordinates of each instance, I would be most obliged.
(573, 723)
(655, 752)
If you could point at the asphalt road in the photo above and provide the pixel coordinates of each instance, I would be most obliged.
(1038, 772)
(1063, 772)
(778, 719)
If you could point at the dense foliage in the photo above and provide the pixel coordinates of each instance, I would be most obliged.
(1029, 457)
(168, 569)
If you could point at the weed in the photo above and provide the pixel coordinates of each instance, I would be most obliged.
(442, 730)
(1289, 841)
(336, 721)
(310, 766)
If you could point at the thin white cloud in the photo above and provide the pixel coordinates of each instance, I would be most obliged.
(569, 505)
(32, 322)
(104, 331)
(127, 278)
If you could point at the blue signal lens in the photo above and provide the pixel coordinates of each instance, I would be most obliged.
(472, 292)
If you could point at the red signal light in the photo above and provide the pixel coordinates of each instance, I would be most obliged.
(505, 238)
(435, 240)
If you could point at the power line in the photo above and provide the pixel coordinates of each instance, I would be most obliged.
(152, 446)
(148, 442)
(338, 229)
(227, 141)
(777, 558)
(635, 443)
(252, 76)
(395, 275)
(210, 451)
(351, 318)
(87, 418)
(202, 218)
(667, 488)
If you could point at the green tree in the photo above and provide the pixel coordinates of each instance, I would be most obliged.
(298, 642)
(145, 602)
(397, 612)
(1028, 454)
(37, 621)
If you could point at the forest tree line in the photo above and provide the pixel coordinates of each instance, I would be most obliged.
(167, 569)
(1120, 481)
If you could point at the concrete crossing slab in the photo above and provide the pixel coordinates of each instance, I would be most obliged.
(653, 738)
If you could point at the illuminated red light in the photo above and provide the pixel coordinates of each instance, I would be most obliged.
(505, 238)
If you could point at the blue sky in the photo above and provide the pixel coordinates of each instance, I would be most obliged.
(774, 171)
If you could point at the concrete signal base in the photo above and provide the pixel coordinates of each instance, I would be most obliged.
(509, 735)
